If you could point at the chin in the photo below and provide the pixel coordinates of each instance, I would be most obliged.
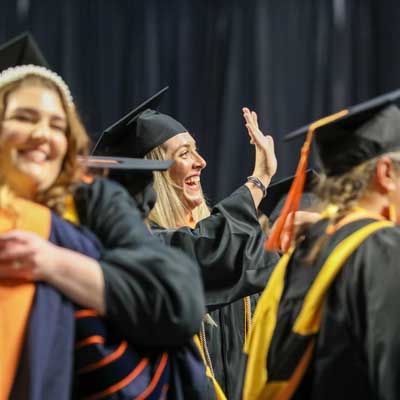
(191, 204)
(33, 171)
(39, 176)
(37, 181)
(191, 200)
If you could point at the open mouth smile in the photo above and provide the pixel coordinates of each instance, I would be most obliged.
(34, 155)
(193, 182)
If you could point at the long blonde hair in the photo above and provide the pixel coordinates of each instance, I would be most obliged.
(169, 211)
(78, 144)
(344, 192)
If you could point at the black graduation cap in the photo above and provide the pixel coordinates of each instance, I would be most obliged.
(126, 164)
(277, 192)
(135, 174)
(139, 131)
(366, 131)
(21, 50)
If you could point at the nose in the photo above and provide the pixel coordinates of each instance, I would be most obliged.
(41, 132)
(199, 161)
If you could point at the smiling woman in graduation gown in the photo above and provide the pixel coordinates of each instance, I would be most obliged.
(48, 343)
(151, 293)
(227, 241)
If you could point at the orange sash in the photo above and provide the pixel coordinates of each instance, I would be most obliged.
(16, 297)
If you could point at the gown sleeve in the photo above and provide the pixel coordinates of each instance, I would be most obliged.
(229, 247)
(376, 304)
(153, 293)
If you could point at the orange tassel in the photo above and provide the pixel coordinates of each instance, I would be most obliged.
(296, 190)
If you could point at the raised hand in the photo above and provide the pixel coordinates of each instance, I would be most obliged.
(265, 160)
(300, 218)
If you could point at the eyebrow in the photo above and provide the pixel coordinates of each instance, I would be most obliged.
(187, 145)
(33, 111)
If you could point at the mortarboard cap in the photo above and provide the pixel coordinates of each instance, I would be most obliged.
(139, 131)
(126, 164)
(21, 50)
(135, 174)
(343, 141)
(273, 203)
(153, 129)
(368, 130)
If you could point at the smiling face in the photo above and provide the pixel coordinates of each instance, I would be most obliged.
(33, 139)
(186, 171)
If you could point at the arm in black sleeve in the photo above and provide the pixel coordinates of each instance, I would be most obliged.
(380, 285)
(153, 293)
(229, 247)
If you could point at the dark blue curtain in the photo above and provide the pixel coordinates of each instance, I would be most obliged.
(292, 61)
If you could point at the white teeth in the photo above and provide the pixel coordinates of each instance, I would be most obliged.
(193, 180)
(35, 155)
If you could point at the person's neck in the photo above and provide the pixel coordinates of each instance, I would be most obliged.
(375, 204)
(189, 220)
(25, 191)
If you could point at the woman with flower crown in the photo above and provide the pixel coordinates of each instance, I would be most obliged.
(149, 293)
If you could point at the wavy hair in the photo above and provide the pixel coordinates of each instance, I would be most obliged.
(78, 144)
(344, 192)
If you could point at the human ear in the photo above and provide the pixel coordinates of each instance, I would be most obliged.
(386, 174)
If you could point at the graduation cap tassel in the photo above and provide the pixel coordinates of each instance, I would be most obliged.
(293, 199)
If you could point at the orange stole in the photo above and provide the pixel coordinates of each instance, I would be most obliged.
(16, 297)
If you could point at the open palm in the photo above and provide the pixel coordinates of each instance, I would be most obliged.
(265, 162)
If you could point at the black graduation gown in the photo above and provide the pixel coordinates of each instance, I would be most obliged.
(228, 245)
(153, 293)
(45, 367)
(357, 354)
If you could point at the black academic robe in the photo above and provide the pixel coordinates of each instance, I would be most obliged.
(228, 245)
(45, 368)
(226, 340)
(153, 293)
(357, 354)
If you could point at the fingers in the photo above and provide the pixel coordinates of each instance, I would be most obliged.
(14, 247)
(15, 236)
(19, 253)
(271, 142)
(252, 126)
(284, 242)
(255, 118)
(250, 131)
(266, 163)
(296, 219)
(8, 271)
(17, 262)
(284, 238)
(250, 117)
(306, 217)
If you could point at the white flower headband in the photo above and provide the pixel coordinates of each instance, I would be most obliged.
(13, 74)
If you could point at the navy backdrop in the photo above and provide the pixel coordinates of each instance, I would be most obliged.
(291, 60)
